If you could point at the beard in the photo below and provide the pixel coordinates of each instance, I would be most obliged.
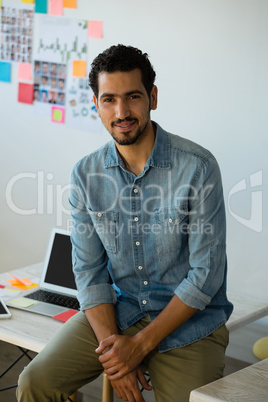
(126, 137)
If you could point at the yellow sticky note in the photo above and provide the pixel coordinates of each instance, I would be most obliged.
(95, 29)
(25, 71)
(79, 68)
(28, 1)
(57, 114)
(19, 285)
(55, 7)
(70, 3)
(22, 302)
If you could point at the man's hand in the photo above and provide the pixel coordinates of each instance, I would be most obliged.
(127, 387)
(121, 354)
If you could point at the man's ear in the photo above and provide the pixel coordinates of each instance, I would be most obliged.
(95, 100)
(154, 93)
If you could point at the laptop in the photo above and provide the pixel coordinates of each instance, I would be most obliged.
(57, 289)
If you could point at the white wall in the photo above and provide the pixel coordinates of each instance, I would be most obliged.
(211, 61)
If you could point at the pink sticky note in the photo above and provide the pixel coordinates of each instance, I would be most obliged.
(24, 281)
(25, 94)
(57, 114)
(65, 315)
(95, 29)
(25, 71)
(55, 7)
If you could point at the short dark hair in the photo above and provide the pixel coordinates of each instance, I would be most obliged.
(122, 58)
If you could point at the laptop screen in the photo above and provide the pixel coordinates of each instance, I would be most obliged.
(59, 272)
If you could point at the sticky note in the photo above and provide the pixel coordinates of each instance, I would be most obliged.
(56, 7)
(28, 1)
(5, 71)
(22, 302)
(25, 93)
(25, 71)
(57, 114)
(19, 285)
(24, 281)
(65, 315)
(79, 68)
(41, 6)
(69, 4)
(95, 29)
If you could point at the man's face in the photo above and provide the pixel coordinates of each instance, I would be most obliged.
(124, 106)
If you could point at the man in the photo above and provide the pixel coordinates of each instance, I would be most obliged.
(148, 254)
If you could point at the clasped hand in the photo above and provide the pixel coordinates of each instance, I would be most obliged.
(120, 354)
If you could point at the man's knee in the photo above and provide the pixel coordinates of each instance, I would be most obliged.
(32, 385)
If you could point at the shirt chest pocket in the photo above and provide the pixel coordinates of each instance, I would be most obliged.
(170, 228)
(106, 225)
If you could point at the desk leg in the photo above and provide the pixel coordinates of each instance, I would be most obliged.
(24, 353)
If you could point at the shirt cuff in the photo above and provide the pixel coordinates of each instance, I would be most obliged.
(191, 295)
(95, 295)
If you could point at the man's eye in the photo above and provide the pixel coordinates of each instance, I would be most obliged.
(107, 100)
(134, 97)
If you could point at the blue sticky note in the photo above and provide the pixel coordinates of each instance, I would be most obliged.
(41, 6)
(5, 71)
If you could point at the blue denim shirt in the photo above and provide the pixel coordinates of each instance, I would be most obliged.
(154, 235)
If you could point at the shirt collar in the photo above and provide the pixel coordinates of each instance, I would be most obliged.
(159, 158)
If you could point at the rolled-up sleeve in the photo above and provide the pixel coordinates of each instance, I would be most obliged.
(206, 238)
(88, 254)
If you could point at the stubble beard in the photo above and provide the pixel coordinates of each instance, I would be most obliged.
(128, 139)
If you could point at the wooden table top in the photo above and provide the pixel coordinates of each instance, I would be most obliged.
(33, 331)
(249, 384)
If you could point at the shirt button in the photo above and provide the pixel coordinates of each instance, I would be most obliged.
(136, 219)
(170, 220)
(140, 267)
(145, 283)
(144, 302)
(99, 214)
(136, 190)
(137, 243)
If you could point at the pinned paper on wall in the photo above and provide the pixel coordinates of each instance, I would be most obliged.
(70, 3)
(95, 29)
(25, 93)
(41, 6)
(25, 71)
(81, 112)
(61, 39)
(57, 114)
(17, 33)
(79, 68)
(5, 71)
(55, 7)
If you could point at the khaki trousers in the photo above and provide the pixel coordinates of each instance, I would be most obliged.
(69, 361)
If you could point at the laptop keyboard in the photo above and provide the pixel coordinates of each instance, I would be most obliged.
(54, 298)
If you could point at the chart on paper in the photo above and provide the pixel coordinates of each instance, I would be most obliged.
(70, 42)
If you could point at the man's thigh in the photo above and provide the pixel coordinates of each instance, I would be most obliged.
(68, 361)
(174, 374)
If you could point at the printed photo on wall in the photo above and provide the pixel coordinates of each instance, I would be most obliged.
(49, 82)
(16, 33)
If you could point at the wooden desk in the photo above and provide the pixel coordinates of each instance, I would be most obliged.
(28, 330)
(249, 384)
(33, 331)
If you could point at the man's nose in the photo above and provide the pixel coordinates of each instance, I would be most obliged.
(122, 110)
